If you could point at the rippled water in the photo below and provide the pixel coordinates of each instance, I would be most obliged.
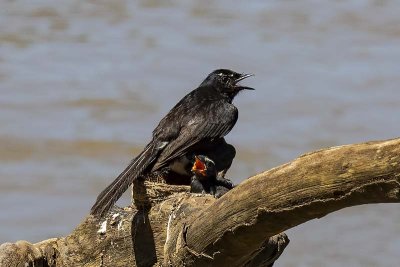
(83, 83)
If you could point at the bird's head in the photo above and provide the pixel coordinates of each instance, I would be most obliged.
(203, 167)
(226, 82)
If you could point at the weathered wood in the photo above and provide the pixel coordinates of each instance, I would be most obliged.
(172, 227)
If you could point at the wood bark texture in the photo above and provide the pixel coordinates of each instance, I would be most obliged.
(168, 226)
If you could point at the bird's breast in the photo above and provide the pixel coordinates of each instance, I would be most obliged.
(181, 166)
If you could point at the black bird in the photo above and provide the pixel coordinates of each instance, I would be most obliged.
(197, 122)
(206, 178)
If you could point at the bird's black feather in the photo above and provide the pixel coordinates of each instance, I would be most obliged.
(204, 115)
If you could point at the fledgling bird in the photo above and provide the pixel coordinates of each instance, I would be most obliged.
(206, 179)
(196, 124)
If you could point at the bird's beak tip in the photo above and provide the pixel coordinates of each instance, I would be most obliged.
(248, 75)
(246, 88)
(244, 76)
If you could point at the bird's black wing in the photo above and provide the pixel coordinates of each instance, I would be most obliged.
(217, 122)
(138, 165)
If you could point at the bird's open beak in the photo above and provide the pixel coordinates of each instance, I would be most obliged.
(199, 166)
(242, 77)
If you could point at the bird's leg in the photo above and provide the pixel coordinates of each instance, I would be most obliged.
(213, 189)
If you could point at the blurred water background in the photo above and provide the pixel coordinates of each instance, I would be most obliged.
(83, 84)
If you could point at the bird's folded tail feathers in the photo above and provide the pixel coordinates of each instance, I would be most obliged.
(114, 191)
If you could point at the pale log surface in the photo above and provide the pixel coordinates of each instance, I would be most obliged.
(243, 228)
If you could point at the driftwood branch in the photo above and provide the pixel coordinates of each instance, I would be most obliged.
(172, 227)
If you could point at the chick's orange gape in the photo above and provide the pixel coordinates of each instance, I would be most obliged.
(199, 166)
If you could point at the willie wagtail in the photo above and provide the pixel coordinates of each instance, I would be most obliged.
(196, 124)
